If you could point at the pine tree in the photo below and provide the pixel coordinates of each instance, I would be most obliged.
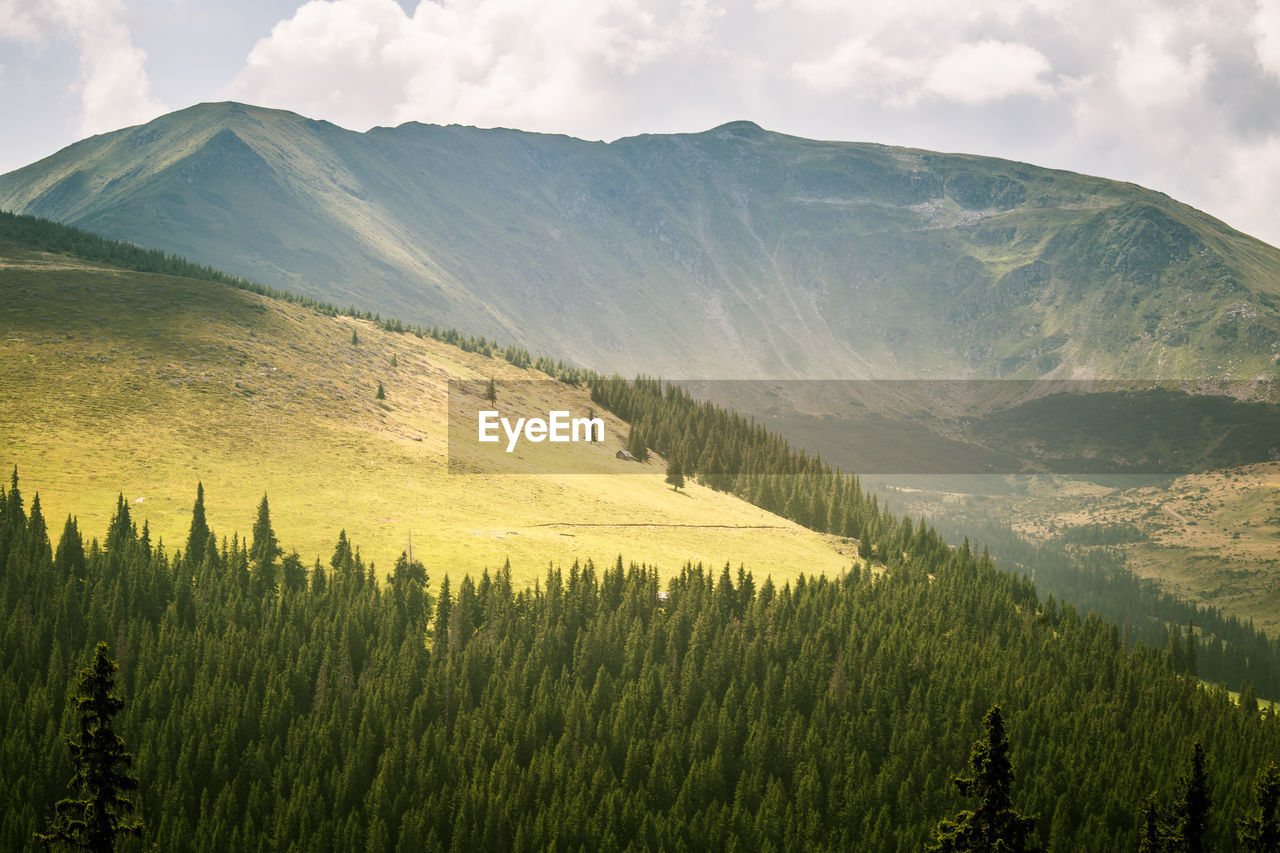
(264, 551)
(636, 446)
(1193, 811)
(198, 535)
(1154, 833)
(444, 611)
(994, 825)
(675, 476)
(1248, 700)
(69, 558)
(1261, 833)
(491, 391)
(294, 572)
(382, 393)
(1189, 656)
(355, 338)
(101, 813)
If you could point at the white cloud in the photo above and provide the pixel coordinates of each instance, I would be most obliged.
(22, 20)
(861, 68)
(1180, 98)
(1266, 31)
(539, 66)
(113, 86)
(1249, 179)
(1149, 73)
(989, 71)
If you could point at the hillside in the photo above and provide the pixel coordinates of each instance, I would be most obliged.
(603, 710)
(731, 253)
(147, 383)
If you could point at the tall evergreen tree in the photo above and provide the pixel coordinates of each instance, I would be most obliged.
(675, 474)
(1193, 811)
(993, 825)
(198, 535)
(37, 532)
(102, 812)
(1154, 833)
(69, 558)
(264, 550)
(636, 446)
(1260, 833)
(444, 610)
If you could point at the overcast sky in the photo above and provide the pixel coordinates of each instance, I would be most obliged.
(1183, 97)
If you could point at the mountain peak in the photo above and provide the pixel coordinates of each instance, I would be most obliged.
(741, 128)
(797, 258)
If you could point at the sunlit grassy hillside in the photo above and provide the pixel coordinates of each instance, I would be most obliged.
(145, 384)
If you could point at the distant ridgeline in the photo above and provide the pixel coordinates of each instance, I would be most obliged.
(273, 705)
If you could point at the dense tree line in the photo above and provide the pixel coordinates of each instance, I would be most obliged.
(275, 706)
(1226, 649)
(732, 453)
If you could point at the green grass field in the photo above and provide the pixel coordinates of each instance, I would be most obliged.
(140, 384)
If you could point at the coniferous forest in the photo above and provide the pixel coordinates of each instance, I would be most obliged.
(270, 705)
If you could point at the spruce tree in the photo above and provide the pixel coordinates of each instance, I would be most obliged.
(69, 559)
(491, 391)
(993, 825)
(675, 475)
(99, 812)
(264, 551)
(1260, 833)
(1154, 833)
(294, 572)
(636, 446)
(444, 611)
(198, 535)
(1193, 811)
(382, 393)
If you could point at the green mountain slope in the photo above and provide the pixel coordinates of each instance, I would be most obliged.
(147, 383)
(736, 252)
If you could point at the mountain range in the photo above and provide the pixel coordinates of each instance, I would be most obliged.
(733, 253)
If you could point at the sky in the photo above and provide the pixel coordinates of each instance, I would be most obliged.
(1182, 96)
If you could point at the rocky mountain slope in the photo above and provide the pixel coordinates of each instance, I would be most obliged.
(735, 253)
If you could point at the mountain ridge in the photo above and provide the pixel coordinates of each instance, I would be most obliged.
(734, 252)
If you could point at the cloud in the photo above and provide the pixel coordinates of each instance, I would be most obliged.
(1163, 96)
(989, 71)
(539, 66)
(1149, 73)
(113, 84)
(1266, 30)
(864, 68)
(1249, 178)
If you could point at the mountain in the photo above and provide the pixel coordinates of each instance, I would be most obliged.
(149, 383)
(731, 253)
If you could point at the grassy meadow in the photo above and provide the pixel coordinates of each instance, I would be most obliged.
(122, 382)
